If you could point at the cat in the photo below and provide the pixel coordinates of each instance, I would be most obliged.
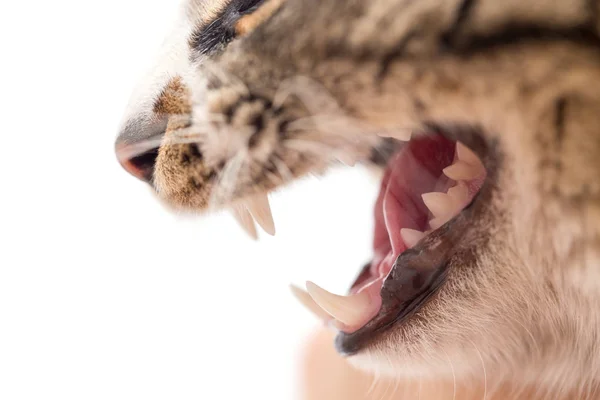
(483, 120)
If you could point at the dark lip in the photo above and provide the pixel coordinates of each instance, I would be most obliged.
(419, 273)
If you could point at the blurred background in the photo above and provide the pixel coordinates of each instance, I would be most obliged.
(105, 294)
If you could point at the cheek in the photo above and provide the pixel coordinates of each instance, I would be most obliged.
(170, 175)
(481, 315)
(180, 177)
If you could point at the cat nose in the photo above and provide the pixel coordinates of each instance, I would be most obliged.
(137, 148)
(141, 166)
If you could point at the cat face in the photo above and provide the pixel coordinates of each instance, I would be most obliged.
(483, 117)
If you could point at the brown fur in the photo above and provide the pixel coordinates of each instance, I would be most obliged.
(521, 305)
(173, 100)
(249, 22)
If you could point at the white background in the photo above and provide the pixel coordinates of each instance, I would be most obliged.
(103, 293)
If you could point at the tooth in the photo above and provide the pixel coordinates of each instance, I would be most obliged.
(350, 310)
(437, 222)
(459, 193)
(261, 211)
(245, 220)
(308, 302)
(461, 171)
(400, 134)
(466, 154)
(444, 209)
(439, 204)
(411, 236)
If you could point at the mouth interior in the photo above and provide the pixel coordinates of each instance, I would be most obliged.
(426, 184)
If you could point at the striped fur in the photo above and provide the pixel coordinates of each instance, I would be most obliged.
(312, 82)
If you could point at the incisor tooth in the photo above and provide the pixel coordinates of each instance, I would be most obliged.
(440, 204)
(261, 211)
(411, 236)
(308, 302)
(466, 154)
(460, 193)
(245, 220)
(400, 134)
(349, 310)
(461, 171)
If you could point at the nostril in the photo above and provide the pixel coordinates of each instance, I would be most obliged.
(141, 165)
(138, 142)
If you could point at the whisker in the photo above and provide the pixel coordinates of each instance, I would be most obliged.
(453, 375)
(383, 396)
(227, 180)
(313, 95)
(229, 79)
(333, 152)
(284, 171)
(334, 125)
(484, 371)
(309, 146)
(396, 382)
(375, 376)
(179, 136)
(136, 149)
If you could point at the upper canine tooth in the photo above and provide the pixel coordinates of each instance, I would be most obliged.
(466, 154)
(261, 211)
(245, 220)
(308, 302)
(411, 236)
(350, 310)
(461, 171)
(400, 134)
(439, 204)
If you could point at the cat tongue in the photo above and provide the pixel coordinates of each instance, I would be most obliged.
(412, 171)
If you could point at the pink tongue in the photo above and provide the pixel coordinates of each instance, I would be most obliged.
(412, 171)
(415, 170)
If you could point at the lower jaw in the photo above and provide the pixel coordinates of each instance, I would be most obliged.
(404, 276)
(415, 277)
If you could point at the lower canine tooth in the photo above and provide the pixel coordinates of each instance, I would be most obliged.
(261, 210)
(461, 171)
(245, 220)
(411, 237)
(349, 310)
(307, 301)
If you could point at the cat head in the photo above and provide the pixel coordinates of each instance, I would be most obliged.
(491, 106)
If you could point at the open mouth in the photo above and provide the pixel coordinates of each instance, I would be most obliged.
(422, 212)
(431, 193)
